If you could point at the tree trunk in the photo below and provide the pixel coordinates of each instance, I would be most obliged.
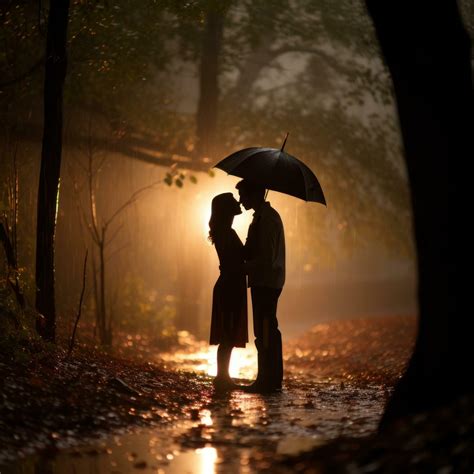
(208, 81)
(48, 192)
(428, 54)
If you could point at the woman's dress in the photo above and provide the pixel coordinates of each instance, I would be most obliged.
(229, 298)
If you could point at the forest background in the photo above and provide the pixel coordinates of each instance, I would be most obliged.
(155, 94)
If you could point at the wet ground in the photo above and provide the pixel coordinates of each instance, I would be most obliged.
(337, 378)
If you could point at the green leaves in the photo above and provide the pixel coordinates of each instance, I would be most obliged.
(177, 178)
(168, 179)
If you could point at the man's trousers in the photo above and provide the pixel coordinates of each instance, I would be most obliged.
(267, 336)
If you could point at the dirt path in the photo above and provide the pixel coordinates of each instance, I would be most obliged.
(337, 378)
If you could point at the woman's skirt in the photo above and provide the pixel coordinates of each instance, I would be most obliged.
(229, 311)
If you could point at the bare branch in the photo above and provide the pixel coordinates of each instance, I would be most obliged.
(23, 75)
(142, 148)
(79, 310)
(329, 59)
(117, 251)
(110, 240)
(100, 165)
(283, 86)
(80, 208)
(134, 197)
(264, 56)
(92, 203)
(8, 247)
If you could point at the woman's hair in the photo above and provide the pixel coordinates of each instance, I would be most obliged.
(215, 227)
(223, 211)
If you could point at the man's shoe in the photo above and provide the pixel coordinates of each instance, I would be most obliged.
(258, 387)
(252, 388)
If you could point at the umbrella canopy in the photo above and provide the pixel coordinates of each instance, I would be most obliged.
(274, 169)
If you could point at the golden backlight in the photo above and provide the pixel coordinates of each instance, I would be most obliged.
(243, 363)
(201, 357)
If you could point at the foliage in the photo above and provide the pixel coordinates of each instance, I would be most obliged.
(141, 310)
(177, 177)
(22, 57)
(20, 345)
(108, 66)
(114, 54)
(17, 274)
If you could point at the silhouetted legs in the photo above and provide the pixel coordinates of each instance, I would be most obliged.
(223, 379)
(224, 351)
(267, 337)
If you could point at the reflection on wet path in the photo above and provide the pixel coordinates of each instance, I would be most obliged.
(198, 356)
(244, 433)
(237, 432)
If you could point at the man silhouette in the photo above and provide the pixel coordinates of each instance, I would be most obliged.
(265, 267)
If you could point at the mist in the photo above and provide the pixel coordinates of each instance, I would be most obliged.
(353, 258)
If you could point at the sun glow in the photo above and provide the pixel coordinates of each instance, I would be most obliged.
(243, 363)
(240, 225)
(201, 207)
(241, 221)
(200, 357)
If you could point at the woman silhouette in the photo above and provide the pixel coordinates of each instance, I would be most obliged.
(229, 299)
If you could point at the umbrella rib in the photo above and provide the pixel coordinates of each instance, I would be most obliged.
(272, 172)
(251, 152)
(306, 184)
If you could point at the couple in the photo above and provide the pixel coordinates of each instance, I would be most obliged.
(262, 258)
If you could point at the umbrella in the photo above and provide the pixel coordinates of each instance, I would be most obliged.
(274, 169)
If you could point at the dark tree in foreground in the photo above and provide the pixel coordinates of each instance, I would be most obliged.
(427, 51)
(48, 192)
